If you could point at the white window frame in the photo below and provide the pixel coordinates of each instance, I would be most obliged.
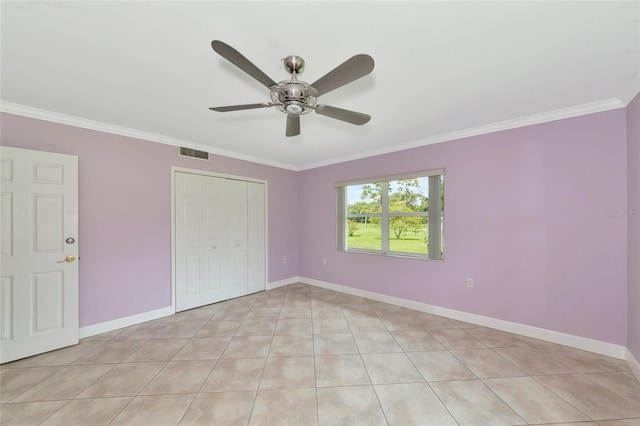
(434, 215)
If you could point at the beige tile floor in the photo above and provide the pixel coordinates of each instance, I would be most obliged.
(300, 355)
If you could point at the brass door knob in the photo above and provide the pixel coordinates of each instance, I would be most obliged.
(68, 259)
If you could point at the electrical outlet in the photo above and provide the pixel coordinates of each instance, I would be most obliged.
(284, 260)
(469, 282)
(324, 262)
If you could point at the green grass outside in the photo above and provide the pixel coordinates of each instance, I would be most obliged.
(368, 237)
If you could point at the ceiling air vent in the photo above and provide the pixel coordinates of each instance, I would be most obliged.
(188, 152)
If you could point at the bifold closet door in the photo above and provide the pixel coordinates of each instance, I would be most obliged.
(200, 241)
(219, 239)
(236, 254)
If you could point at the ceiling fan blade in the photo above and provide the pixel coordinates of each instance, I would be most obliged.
(352, 117)
(236, 58)
(241, 107)
(350, 70)
(293, 125)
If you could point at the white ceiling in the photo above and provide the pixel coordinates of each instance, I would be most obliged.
(443, 69)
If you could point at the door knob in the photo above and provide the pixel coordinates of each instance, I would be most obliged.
(68, 259)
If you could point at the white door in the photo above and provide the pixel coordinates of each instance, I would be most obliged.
(38, 243)
(236, 259)
(188, 241)
(256, 276)
(219, 239)
(214, 241)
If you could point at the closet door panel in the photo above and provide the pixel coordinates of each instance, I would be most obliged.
(214, 238)
(189, 267)
(236, 211)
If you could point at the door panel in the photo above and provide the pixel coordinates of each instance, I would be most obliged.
(256, 271)
(192, 221)
(215, 273)
(188, 267)
(239, 270)
(237, 237)
(193, 274)
(6, 305)
(6, 224)
(48, 215)
(48, 301)
(48, 173)
(39, 289)
(214, 240)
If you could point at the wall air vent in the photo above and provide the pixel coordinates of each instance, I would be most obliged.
(188, 152)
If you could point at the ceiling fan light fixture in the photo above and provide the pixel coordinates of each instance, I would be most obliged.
(294, 107)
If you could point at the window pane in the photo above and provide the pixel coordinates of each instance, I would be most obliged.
(409, 195)
(408, 234)
(363, 199)
(394, 216)
(364, 233)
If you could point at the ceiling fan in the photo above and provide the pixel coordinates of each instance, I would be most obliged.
(295, 97)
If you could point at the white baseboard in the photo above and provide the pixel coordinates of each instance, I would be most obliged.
(281, 283)
(103, 327)
(583, 343)
(633, 363)
(115, 324)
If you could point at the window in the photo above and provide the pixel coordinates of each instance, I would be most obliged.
(400, 215)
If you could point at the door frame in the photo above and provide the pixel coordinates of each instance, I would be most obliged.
(176, 169)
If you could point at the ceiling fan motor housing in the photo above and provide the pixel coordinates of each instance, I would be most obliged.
(293, 97)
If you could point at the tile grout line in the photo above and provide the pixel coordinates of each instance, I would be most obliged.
(315, 370)
(532, 377)
(488, 387)
(427, 382)
(373, 387)
(586, 375)
(263, 367)
(205, 379)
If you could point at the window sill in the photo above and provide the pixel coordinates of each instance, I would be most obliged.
(392, 254)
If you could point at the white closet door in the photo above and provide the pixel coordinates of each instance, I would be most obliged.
(219, 239)
(256, 237)
(190, 266)
(236, 259)
(214, 242)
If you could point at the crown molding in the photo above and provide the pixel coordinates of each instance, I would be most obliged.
(608, 104)
(70, 120)
(631, 90)
(559, 114)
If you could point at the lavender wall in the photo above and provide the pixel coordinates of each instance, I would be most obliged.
(525, 217)
(633, 166)
(125, 213)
